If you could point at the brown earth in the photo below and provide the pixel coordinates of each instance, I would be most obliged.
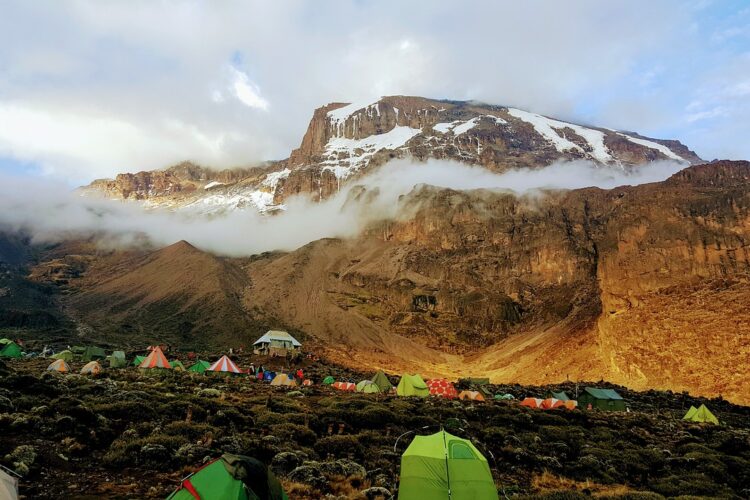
(645, 286)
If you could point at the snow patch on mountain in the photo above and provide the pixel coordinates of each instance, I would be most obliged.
(654, 145)
(213, 184)
(459, 127)
(344, 156)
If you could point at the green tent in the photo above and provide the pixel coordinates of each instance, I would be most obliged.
(11, 350)
(117, 359)
(601, 399)
(504, 397)
(200, 367)
(93, 353)
(368, 387)
(5, 341)
(445, 466)
(176, 364)
(700, 414)
(559, 395)
(231, 477)
(412, 385)
(65, 355)
(328, 380)
(381, 380)
(138, 360)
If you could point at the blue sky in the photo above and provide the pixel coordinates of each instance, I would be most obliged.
(89, 89)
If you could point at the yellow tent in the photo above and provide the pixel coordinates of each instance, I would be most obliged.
(284, 380)
(700, 414)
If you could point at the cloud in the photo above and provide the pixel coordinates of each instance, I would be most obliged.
(49, 212)
(142, 67)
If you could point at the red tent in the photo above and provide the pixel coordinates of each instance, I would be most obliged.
(441, 387)
(224, 364)
(345, 386)
(551, 403)
(155, 359)
(532, 402)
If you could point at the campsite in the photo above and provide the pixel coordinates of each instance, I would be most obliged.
(137, 431)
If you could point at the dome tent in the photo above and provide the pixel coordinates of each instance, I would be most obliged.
(412, 385)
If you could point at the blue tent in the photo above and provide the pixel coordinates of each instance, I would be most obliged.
(268, 375)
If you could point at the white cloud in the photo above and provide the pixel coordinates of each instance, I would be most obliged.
(246, 91)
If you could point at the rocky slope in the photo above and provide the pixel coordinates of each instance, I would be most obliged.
(346, 140)
(646, 286)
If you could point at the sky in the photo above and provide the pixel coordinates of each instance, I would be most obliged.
(92, 88)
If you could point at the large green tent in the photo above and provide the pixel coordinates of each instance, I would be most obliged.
(138, 360)
(381, 380)
(559, 395)
(93, 353)
(199, 367)
(65, 355)
(11, 350)
(601, 399)
(117, 359)
(368, 387)
(412, 385)
(231, 477)
(700, 414)
(445, 466)
(329, 380)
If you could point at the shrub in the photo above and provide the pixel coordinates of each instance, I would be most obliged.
(297, 433)
(339, 447)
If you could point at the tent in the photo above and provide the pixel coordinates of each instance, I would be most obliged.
(504, 397)
(117, 359)
(441, 387)
(307, 382)
(65, 355)
(445, 466)
(92, 353)
(8, 484)
(601, 399)
(344, 386)
(700, 414)
(138, 360)
(176, 364)
(570, 404)
(532, 402)
(269, 375)
(91, 368)
(200, 366)
(412, 385)
(59, 365)
(224, 364)
(328, 380)
(471, 395)
(382, 381)
(155, 359)
(559, 395)
(368, 387)
(10, 350)
(231, 477)
(551, 403)
(283, 379)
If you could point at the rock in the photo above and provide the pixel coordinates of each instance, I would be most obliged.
(308, 474)
(376, 492)
(285, 462)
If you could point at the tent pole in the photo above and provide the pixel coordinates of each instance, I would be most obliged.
(447, 469)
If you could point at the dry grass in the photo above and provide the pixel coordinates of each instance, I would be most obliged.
(547, 482)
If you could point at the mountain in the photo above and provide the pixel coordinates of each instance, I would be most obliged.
(344, 141)
(645, 285)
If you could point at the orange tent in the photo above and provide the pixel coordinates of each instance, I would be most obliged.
(532, 402)
(441, 387)
(552, 403)
(345, 386)
(570, 404)
(471, 395)
(224, 364)
(307, 381)
(59, 365)
(92, 368)
(155, 359)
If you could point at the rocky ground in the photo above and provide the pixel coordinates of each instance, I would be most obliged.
(126, 434)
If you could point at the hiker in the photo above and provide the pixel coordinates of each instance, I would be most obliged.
(252, 369)
(300, 375)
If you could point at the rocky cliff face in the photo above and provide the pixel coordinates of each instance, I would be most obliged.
(344, 141)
